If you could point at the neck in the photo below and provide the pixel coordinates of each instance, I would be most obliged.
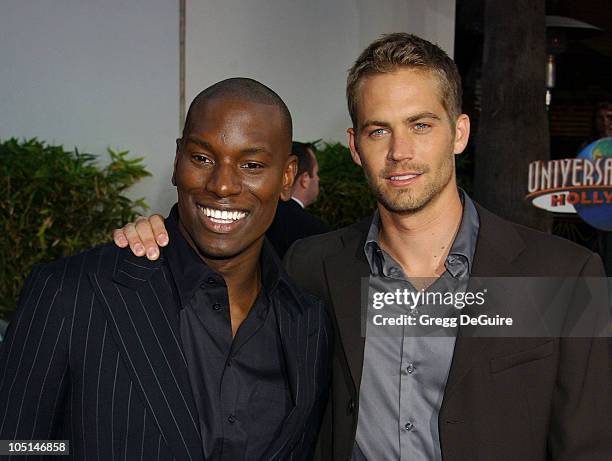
(420, 241)
(300, 198)
(242, 273)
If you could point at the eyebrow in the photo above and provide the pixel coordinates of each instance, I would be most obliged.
(248, 150)
(199, 142)
(255, 150)
(411, 119)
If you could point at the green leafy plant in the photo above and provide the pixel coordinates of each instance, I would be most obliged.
(344, 196)
(55, 203)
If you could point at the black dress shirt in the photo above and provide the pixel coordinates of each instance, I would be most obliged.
(239, 383)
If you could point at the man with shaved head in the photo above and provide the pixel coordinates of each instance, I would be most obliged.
(209, 352)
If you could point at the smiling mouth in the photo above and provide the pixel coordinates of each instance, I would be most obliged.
(404, 177)
(217, 216)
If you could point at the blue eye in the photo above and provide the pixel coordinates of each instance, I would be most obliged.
(377, 132)
(422, 126)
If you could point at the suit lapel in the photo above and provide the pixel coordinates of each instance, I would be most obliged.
(293, 334)
(497, 246)
(142, 317)
(345, 273)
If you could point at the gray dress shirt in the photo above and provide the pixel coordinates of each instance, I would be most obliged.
(405, 370)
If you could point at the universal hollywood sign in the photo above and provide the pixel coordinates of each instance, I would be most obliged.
(559, 185)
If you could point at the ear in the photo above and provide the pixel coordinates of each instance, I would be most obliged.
(352, 142)
(288, 177)
(176, 156)
(462, 133)
(304, 180)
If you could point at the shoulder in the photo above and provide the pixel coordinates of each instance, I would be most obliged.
(331, 243)
(56, 285)
(103, 260)
(543, 253)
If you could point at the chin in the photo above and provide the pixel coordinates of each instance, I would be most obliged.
(222, 250)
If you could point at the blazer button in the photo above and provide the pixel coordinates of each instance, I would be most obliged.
(351, 406)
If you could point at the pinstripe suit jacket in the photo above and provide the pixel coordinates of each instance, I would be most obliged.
(93, 355)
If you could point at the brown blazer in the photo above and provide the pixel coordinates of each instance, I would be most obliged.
(505, 398)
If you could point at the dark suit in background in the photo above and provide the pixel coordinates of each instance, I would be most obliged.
(505, 398)
(291, 223)
(93, 355)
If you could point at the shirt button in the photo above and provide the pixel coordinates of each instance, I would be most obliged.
(211, 281)
(409, 426)
(410, 368)
(351, 406)
(231, 419)
(216, 306)
(451, 259)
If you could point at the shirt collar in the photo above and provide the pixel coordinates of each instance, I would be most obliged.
(460, 257)
(298, 201)
(189, 271)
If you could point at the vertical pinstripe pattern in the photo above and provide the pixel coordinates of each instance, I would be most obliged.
(144, 310)
(144, 430)
(27, 337)
(44, 382)
(127, 429)
(98, 396)
(84, 362)
(93, 355)
(113, 408)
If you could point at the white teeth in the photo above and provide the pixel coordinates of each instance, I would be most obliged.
(404, 177)
(222, 216)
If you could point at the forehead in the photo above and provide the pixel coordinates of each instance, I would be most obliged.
(233, 118)
(405, 90)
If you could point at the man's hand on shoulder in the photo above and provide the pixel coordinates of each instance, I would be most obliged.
(144, 236)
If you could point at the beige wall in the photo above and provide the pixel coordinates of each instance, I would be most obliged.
(99, 73)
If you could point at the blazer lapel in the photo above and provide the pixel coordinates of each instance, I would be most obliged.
(293, 334)
(142, 317)
(345, 274)
(497, 246)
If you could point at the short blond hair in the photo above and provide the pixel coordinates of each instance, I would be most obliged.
(401, 50)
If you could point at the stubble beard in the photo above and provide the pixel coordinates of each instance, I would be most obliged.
(415, 197)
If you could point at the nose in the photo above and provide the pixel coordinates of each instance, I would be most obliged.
(401, 147)
(224, 181)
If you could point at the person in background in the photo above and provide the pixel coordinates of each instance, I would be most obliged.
(602, 121)
(292, 222)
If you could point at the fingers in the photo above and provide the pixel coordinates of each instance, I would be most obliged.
(136, 245)
(144, 236)
(159, 230)
(145, 233)
(119, 238)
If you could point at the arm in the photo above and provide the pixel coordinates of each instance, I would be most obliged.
(143, 234)
(34, 362)
(582, 403)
